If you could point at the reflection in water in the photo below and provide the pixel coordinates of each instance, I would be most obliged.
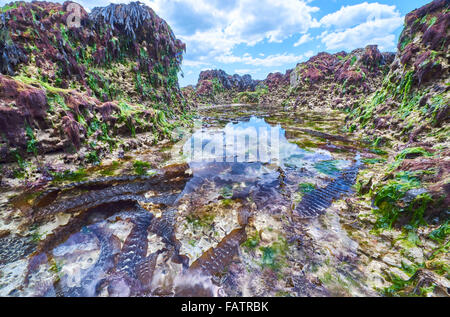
(250, 141)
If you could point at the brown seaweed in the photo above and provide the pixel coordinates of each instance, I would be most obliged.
(315, 203)
(102, 204)
(145, 270)
(164, 227)
(172, 178)
(135, 247)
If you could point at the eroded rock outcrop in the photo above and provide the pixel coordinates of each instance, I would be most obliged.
(414, 95)
(216, 86)
(408, 117)
(236, 82)
(63, 85)
(337, 80)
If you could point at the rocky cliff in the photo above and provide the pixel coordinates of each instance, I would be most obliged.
(406, 121)
(413, 97)
(72, 80)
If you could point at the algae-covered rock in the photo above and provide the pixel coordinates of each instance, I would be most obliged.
(415, 89)
(410, 108)
(326, 78)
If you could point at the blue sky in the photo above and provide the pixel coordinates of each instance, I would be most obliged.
(263, 36)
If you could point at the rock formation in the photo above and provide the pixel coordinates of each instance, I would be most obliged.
(216, 86)
(336, 80)
(323, 78)
(413, 97)
(409, 113)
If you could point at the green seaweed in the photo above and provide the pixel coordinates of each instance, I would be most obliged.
(92, 157)
(11, 6)
(327, 167)
(408, 152)
(389, 201)
(306, 188)
(31, 141)
(442, 233)
(217, 86)
(252, 241)
(373, 161)
(252, 96)
(204, 221)
(405, 42)
(227, 202)
(23, 164)
(36, 237)
(141, 168)
(432, 22)
(273, 255)
(226, 192)
(398, 286)
(72, 176)
(408, 287)
(110, 169)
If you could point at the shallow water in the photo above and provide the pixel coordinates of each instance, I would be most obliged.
(241, 218)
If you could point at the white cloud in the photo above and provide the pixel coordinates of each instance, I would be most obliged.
(308, 54)
(304, 39)
(350, 16)
(274, 20)
(211, 28)
(190, 63)
(268, 61)
(373, 32)
(245, 71)
(360, 25)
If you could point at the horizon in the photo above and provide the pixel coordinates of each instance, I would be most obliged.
(262, 37)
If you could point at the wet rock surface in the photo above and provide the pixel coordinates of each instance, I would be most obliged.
(291, 227)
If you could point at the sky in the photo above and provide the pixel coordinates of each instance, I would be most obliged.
(258, 37)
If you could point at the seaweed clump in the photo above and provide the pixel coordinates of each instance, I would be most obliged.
(128, 17)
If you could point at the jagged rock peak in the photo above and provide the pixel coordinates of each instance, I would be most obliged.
(228, 82)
